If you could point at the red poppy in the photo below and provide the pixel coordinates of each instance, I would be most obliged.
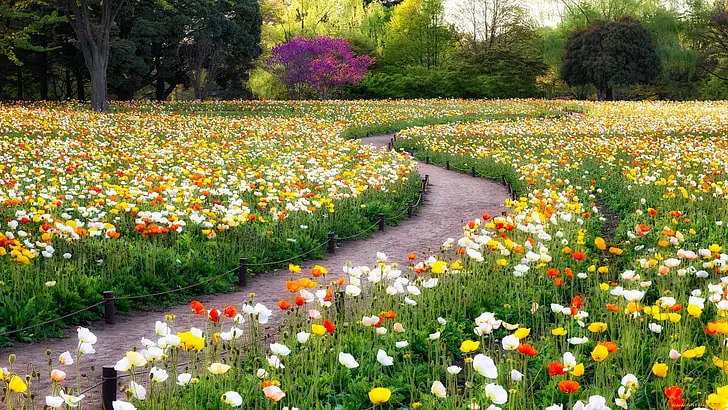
(486, 217)
(300, 300)
(412, 256)
(214, 315)
(580, 256)
(558, 282)
(569, 273)
(230, 311)
(197, 308)
(612, 307)
(556, 369)
(673, 392)
(284, 304)
(676, 404)
(553, 272)
(527, 349)
(577, 302)
(329, 326)
(379, 323)
(569, 386)
(675, 308)
(329, 295)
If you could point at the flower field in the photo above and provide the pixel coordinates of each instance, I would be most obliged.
(613, 258)
(154, 197)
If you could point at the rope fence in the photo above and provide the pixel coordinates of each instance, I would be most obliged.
(472, 171)
(109, 300)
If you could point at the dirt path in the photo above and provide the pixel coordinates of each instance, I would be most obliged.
(452, 200)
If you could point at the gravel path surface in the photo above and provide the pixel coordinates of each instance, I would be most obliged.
(451, 201)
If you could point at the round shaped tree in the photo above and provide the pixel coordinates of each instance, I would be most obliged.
(609, 54)
(319, 65)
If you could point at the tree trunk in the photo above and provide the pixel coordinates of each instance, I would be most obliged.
(610, 94)
(44, 76)
(98, 87)
(159, 90)
(69, 83)
(20, 82)
(80, 90)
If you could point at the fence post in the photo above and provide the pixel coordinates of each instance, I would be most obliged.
(389, 146)
(381, 221)
(472, 172)
(109, 308)
(447, 164)
(109, 380)
(332, 243)
(427, 159)
(243, 272)
(504, 180)
(427, 179)
(409, 210)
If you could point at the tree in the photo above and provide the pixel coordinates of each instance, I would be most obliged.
(610, 54)
(93, 35)
(487, 21)
(713, 42)
(416, 34)
(323, 65)
(19, 22)
(221, 42)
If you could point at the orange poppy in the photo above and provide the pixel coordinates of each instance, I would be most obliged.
(569, 386)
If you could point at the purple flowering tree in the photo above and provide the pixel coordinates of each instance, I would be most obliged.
(319, 65)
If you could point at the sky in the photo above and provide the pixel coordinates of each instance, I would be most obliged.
(545, 12)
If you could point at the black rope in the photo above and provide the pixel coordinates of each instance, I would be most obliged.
(208, 280)
(66, 316)
(291, 258)
(92, 387)
(176, 290)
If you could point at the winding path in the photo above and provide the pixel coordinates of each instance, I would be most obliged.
(451, 201)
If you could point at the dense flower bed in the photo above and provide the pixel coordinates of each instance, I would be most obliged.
(613, 257)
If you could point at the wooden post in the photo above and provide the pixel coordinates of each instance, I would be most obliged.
(109, 308)
(409, 210)
(427, 179)
(243, 272)
(332, 243)
(472, 172)
(447, 164)
(427, 159)
(504, 180)
(109, 380)
(381, 221)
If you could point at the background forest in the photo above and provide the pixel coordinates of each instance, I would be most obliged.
(198, 49)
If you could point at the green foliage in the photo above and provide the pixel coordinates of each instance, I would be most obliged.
(265, 85)
(416, 34)
(610, 54)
